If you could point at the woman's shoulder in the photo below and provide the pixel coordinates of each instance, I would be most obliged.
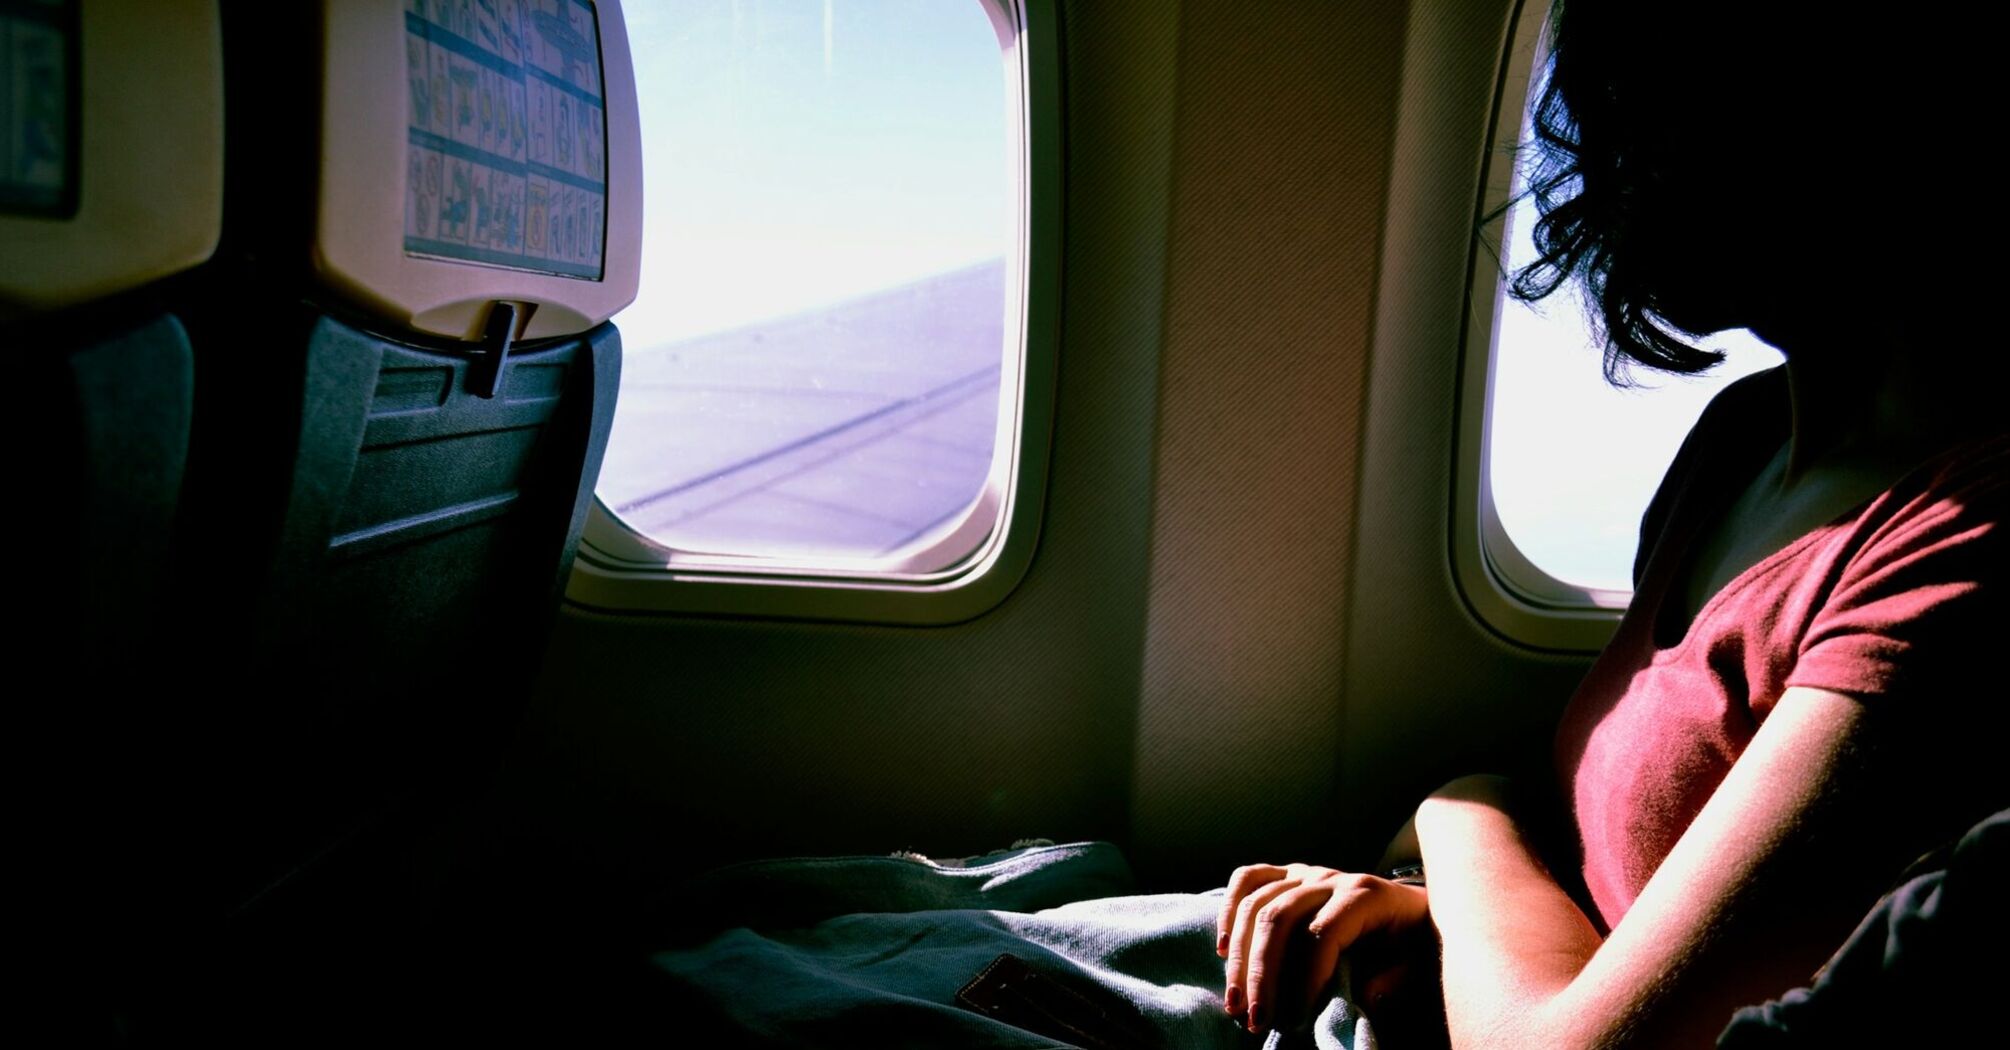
(1974, 472)
(1959, 495)
(1949, 513)
(1917, 588)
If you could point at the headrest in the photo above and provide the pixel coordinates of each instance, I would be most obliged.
(111, 146)
(476, 152)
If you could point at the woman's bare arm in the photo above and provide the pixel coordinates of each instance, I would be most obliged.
(1773, 873)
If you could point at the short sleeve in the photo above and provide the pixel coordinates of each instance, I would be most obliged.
(1920, 605)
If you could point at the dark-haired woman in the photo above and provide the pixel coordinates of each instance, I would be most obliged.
(1805, 694)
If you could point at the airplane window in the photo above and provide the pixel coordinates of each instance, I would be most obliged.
(1569, 487)
(1556, 466)
(812, 371)
(1565, 490)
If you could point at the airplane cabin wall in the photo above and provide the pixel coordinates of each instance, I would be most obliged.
(1239, 638)
(662, 742)
(1280, 173)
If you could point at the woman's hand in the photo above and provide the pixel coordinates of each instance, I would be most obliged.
(1283, 927)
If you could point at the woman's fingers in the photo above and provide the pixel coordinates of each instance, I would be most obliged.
(1323, 961)
(1235, 998)
(1291, 923)
(1361, 906)
(1274, 927)
(1245, 881)
(1366, 904)
(1346, 914)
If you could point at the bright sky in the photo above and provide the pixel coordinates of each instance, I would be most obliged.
(802, 152)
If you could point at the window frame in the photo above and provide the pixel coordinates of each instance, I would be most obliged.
(618, 569)
(1507, 592)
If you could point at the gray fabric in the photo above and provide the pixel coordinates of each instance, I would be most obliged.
(870, 951)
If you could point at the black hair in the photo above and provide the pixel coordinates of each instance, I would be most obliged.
(1589, 175)
(1707, 164)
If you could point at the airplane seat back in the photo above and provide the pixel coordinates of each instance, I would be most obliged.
(111, 188)
(111, 204)
(406, 392)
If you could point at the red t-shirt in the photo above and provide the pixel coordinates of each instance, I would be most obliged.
(1897, 601)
